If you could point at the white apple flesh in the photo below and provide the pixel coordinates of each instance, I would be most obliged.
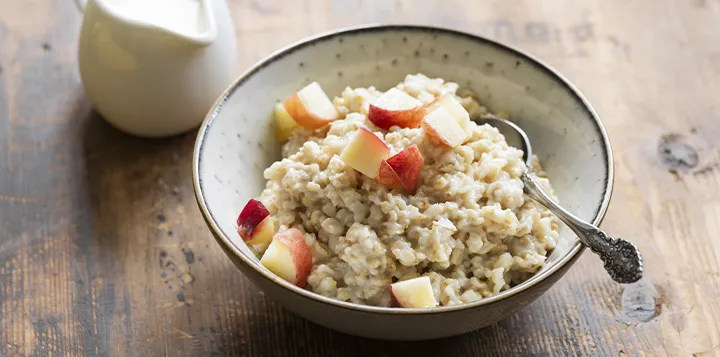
(284, 123)
(442, 128)
(289, 257)
(413, 293)
(456, 110)
(311, 107)
(365, 152)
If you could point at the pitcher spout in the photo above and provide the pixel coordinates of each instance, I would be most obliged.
(206, 27)
(190, 21)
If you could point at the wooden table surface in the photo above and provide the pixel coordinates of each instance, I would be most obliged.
(104, 252)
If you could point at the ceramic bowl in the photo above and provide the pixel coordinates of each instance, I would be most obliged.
(235, 144)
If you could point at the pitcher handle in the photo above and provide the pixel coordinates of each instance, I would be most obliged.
(81, 5)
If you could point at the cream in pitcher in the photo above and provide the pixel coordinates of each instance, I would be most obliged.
(154, 68)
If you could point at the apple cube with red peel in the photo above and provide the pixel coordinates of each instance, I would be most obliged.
(289, 257)
(395, 108)
(365, 152)
(255, 225)
(311, 107)
(388, 177)
(417, 292)
(407, 165)
(284, 123)
(442, 128)
(456, 110)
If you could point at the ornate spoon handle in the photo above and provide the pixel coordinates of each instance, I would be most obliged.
(622, 258)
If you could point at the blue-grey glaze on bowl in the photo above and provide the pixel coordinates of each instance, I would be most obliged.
(236, 143)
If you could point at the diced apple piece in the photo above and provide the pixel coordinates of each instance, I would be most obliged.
(388, 177)
(456, 110)
(311, 107)
(395, 107)
(402, 169)
(407, 165)
(284, 123)
(415, 292)
(255, 225)
(289, 257)
(365, 152)
(442, 128)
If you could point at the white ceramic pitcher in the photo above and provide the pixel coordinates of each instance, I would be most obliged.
(154, 68)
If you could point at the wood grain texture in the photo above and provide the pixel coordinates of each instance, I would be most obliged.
(103, 251)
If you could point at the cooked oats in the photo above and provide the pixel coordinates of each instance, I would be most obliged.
(468, 226)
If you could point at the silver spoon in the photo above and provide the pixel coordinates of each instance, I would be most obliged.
(622, 258)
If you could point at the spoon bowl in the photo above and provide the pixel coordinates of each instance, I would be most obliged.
(514, 136)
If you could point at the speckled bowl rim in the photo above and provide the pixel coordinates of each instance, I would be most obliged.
(576, 249)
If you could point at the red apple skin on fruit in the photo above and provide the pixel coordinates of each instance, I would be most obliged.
(388, 177)
(254, 223)
(393, 301)
(294, 240)
(407, 165)
(396, 108)
(384, 119)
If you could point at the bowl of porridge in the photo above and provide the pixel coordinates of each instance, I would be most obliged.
(346, 178)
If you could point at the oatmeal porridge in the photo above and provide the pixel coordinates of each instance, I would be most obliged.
(452, 212)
